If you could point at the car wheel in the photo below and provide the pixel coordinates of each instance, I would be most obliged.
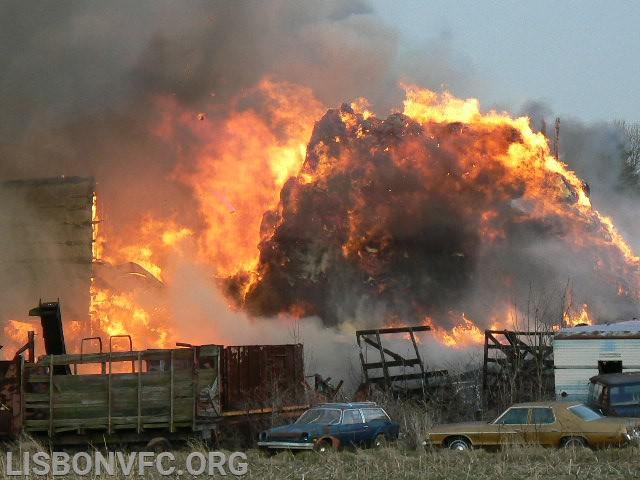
(380, 441)
(324, 446)
(459, 444)
(574, 442)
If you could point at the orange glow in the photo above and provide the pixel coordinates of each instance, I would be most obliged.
(118, 314)
(16, 335)
(241, 162)
(462, 335)
(239, 175)
(571, 319)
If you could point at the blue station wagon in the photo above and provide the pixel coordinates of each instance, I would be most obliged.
(331, 426)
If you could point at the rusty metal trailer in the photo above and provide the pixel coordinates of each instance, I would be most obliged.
(135, 396)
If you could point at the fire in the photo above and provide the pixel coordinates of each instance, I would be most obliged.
(16, 334)
(125, 294)
(582, 317)
(466, 333)
(331, 215)
(408, 207)
(241, 166)
(119, 314)
(97, 241)
(156, 240)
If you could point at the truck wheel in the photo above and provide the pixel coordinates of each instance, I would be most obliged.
(159, 445)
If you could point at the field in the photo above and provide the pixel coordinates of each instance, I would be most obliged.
(397, 462)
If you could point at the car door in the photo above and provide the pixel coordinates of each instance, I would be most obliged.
(543, 428)
(508, 428)
(353, 430)
(378, 422)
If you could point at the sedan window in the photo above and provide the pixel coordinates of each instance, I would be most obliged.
(349, 417)
(514, 416)
(542, 415)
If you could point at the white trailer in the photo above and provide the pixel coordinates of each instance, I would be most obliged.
(579, 353)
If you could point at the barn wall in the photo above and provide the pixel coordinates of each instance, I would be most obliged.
(45, 247)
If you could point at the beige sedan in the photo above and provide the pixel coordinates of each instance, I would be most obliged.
(556, 424)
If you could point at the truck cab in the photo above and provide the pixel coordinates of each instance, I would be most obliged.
(615, 394)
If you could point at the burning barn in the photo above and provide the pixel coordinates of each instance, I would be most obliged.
(46, 248)
(434, 216)
(585, 351)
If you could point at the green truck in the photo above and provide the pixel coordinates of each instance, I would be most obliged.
(140, 396)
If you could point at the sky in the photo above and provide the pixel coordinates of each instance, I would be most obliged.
(578, 57)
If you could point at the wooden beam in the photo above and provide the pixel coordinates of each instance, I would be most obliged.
(383, 331)
(378, 346)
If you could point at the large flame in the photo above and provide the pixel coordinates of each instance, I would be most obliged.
(403, 215)
(355, 218)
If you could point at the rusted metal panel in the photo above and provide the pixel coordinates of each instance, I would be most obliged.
(10, 411)
(258, 376)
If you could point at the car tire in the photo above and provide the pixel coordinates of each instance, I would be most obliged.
(380, 441)
(574, 442)
(459, 444)
(325, 446)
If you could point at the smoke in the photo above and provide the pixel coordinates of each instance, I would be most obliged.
(85, 89)
(597, 152)
(81, 81)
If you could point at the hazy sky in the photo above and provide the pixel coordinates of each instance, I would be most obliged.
(580, 57)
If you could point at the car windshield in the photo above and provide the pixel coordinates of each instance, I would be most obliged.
(320, 416)
(625, 395)
(585, 413)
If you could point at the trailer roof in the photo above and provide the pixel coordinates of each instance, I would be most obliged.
(625, 329)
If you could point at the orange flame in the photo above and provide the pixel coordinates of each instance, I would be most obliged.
(582, 317)
(238, 172)
(466, 333)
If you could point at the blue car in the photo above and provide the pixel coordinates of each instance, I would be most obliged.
(332, 426)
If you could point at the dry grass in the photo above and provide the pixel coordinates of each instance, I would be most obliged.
(525, 463)
(400, 462)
